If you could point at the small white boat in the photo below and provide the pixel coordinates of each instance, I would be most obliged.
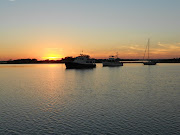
(112, 62)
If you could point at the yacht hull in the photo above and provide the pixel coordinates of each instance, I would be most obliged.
(149, 63)
(73, 65)
(112, 64)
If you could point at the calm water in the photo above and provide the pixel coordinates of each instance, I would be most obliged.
(129, 100)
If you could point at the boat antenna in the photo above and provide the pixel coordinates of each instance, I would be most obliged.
(117, 55)
(81, 52)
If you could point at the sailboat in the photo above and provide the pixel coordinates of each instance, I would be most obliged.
(149, 62)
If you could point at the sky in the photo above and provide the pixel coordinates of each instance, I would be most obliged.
(53, 29)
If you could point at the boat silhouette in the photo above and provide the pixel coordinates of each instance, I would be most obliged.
(80, 62)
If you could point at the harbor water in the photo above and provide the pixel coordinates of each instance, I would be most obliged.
(130, 100)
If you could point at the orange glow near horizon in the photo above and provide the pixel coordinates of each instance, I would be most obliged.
(52, 54)
(157, 51)
(52, 57)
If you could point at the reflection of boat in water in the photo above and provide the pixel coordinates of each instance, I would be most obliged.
(149, 62)
(82, 61)
(112, 62)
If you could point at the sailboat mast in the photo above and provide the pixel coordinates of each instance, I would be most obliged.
(148, 47)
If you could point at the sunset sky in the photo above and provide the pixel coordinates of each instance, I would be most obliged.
(52, 29)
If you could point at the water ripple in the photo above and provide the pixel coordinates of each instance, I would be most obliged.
(129, 100)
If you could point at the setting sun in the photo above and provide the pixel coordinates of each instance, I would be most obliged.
(52, 54)
(52, 57)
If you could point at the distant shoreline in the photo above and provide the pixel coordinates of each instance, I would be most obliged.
(35, 61)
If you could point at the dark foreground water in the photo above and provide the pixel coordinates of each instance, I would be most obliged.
(129, 100)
